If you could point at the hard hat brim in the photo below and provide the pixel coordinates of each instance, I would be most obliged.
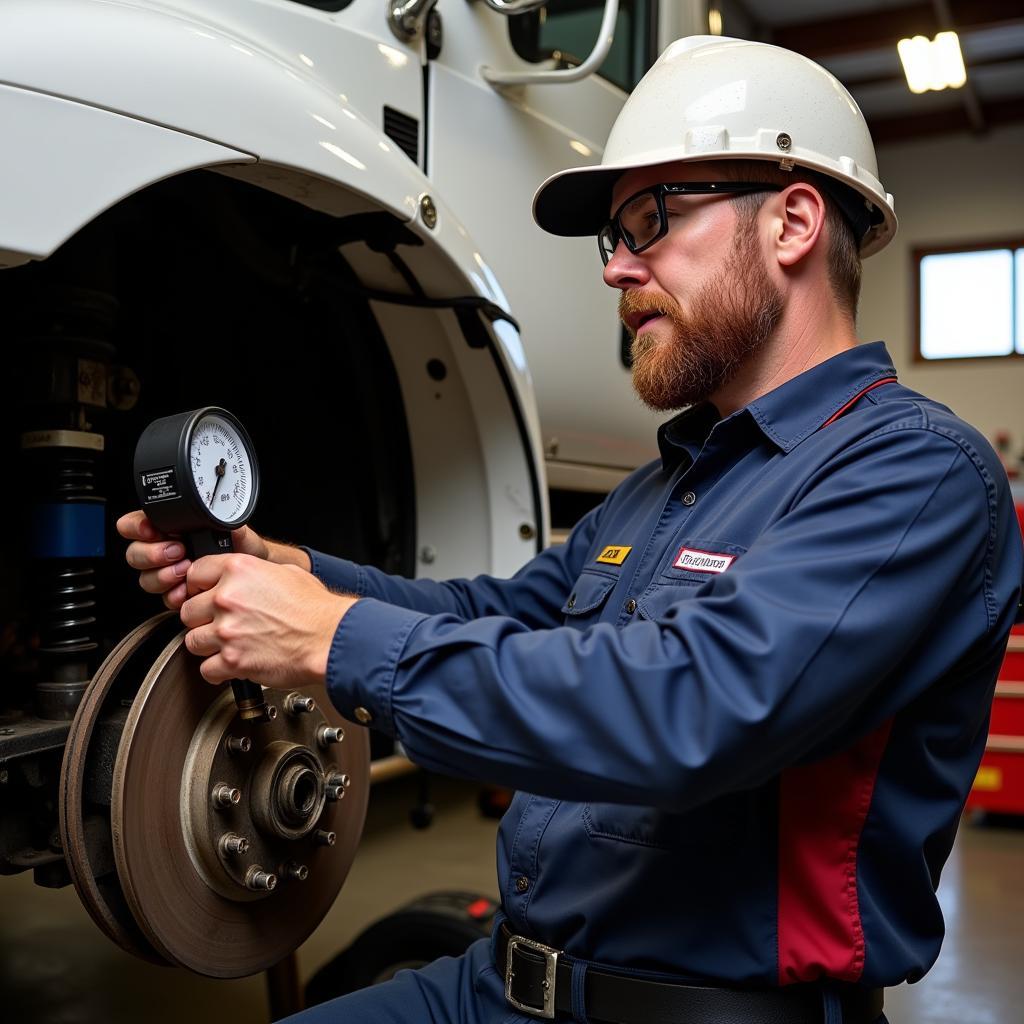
(577, 201)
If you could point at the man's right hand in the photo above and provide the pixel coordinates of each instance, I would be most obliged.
(162, 563)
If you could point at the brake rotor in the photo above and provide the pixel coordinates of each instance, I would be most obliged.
(232, 838)
(85, 782)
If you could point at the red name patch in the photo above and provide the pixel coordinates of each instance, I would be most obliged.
(693, 560)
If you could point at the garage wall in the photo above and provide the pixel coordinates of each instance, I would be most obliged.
(950, 189)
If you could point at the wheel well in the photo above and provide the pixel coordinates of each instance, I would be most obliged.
(208, 290)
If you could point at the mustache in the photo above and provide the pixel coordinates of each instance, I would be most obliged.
(632, 303)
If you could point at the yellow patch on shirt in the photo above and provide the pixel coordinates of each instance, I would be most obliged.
(614, 555)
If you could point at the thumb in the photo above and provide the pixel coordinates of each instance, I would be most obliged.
(247, 541)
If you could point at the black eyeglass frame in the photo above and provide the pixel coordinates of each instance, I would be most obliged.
(614, 230)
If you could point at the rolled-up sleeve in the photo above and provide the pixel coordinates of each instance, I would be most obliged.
(812, 637)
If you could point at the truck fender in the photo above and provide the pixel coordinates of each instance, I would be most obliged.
(175, 70)
(66, 163)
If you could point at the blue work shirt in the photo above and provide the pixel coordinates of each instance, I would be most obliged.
(743, 704)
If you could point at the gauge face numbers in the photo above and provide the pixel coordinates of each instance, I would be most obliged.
(221, 468)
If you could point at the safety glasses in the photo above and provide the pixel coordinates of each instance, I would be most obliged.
(644, 217)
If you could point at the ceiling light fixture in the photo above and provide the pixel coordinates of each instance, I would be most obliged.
(932, 64)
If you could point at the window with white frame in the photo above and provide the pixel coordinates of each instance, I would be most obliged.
(970, 301)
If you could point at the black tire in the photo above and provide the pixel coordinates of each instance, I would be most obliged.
(411, 937)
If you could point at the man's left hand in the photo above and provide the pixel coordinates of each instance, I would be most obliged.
(253, 619)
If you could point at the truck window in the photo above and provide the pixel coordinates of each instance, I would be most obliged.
(567, 29)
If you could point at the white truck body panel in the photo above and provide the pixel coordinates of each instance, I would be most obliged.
(492, 150)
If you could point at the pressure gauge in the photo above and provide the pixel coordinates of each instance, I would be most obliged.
(196, 477)
(196, 471)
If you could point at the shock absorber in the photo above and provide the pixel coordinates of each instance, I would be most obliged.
(62, 452)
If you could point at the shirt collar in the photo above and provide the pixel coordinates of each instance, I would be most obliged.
(790, 413)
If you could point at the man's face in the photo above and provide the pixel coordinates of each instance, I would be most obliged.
(699, 303)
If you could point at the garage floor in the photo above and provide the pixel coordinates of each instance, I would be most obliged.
(57, 968)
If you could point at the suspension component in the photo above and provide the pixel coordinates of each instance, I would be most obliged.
(63, 397)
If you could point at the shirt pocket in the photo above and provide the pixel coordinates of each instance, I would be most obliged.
(588, 597)
(672, 584)
(720, 822)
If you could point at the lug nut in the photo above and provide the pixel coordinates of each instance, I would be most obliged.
(325, 838)
(230, 844)
(225, 796)
(258, 879)
(239, 744)
(299, 704)
(297, 871)
(328, 734)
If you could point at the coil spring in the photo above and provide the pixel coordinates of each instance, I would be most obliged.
(68, 607)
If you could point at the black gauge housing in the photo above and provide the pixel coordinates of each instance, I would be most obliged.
(163, 475)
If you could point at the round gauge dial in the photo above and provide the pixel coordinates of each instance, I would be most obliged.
(221, 467)
(196, 472)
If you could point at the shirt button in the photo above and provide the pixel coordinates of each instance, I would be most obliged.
(522, 883)
(689, 498)
(571, 603)
(362, 715)
(630, 606)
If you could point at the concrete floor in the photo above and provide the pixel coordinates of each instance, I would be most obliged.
(57, 968)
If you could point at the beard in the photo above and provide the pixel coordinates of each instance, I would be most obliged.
(728, 322)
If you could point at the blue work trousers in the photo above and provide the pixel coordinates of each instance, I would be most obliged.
(452, 990)
(461, 990)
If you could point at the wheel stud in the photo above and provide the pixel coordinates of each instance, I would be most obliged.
(325, 838)
(299, 704)
(258, 879)
(336, 784)
(299, 872)
(239, 744)
(231, 843)
(225, 796)
(328, 734)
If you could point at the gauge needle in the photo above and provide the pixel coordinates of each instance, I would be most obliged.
(220, 469)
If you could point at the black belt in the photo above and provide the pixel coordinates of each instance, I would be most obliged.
(538, 981)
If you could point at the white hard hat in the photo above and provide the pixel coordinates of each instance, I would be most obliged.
(714, 98)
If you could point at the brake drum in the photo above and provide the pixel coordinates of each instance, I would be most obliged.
(229, 839)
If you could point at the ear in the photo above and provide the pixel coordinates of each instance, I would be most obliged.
(798, 223)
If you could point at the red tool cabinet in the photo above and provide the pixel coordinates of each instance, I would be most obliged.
(999, 784)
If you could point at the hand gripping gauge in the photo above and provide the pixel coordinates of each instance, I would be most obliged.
(197, 478)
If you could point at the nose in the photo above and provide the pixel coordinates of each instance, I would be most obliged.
(625, 269)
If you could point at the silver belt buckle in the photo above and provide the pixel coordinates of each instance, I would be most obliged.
(550, 960)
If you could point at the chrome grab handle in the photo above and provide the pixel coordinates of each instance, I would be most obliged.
(605, 35)
(514, 6)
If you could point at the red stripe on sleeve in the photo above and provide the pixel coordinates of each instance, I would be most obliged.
(822, 809)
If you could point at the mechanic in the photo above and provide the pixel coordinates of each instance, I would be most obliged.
(743, 705)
